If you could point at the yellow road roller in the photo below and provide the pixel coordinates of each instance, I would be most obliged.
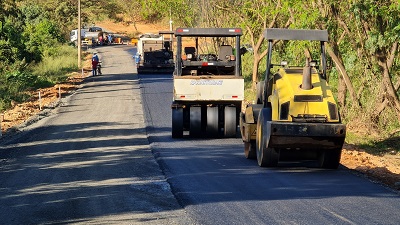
(295, 115)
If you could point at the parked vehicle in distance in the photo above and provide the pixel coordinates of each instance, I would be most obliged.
(88, 35)
(154, 53)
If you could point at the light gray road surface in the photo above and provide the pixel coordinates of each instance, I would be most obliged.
(89, 161)
(217, 185)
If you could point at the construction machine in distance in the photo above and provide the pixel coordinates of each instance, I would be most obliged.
(154, 53)
(208, 87)
(295, 115)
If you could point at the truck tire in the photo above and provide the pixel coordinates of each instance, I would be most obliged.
(230, 126)
(177, 122)
(212, 121)
(266, 157)
(195, 121)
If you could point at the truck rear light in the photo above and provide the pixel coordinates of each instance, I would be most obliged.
(234, 30)
(204, 64)
(185, 96)
(232, 97)
(182, 30)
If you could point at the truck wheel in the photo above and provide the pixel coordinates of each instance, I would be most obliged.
(177, 123)
(230, 121)
(195, 121)
(266, 157)
(212, 121)
(330, 158)
(250, 150)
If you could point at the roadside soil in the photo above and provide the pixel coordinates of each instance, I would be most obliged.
(384, 169)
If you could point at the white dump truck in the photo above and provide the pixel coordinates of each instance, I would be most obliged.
(208, 87)
(88, 35)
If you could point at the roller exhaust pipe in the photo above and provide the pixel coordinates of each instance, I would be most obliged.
(307, 82)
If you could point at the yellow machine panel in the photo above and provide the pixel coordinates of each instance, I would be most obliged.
(317, 102)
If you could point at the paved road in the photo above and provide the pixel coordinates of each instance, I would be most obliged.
(89, 161)
(216, 184)
(94, 161)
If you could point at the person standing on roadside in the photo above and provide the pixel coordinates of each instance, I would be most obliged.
(95, 61)
(109, 39)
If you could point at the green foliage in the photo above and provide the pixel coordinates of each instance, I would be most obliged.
(30, 40)
(182, 12)
(56, 65)
(13, 86)
(373, 145)
(8, 55)
(52, 69)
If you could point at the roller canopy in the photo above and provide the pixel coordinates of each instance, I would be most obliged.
(208, 32)
(166, 32)
(295, 34)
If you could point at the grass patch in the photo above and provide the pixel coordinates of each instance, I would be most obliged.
(55, 66)
(57, 63)
(374, 146)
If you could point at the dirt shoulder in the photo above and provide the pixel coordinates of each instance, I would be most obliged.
(383, 168)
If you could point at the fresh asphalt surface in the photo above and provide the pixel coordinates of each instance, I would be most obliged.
(96, 159)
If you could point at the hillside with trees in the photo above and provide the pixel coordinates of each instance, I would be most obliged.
(363, 47)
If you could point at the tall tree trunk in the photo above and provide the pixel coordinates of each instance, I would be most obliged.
(134, 25)
(379, 109)
(385, 101)
(392, 95)
(342, 90)
(256, 63)
(342, 71)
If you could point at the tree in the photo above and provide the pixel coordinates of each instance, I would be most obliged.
(8, 9)
(255, 17)
(379, 25)
(333, 14)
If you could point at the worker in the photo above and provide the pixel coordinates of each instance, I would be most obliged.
(95, 61)
(109, 39)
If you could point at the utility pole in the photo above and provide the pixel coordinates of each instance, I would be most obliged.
(79, 34)
(170, 26)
